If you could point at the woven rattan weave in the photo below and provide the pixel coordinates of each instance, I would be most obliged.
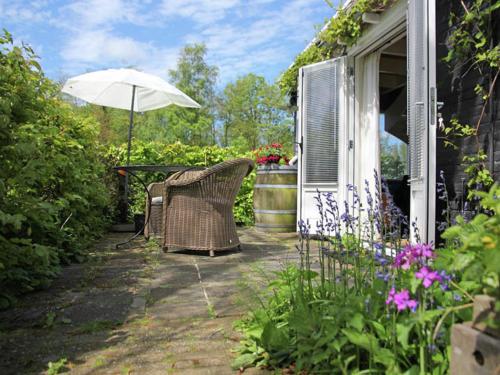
(154, 215)
(198, 207)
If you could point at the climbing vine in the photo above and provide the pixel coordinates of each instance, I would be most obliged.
(343, 29)
(471, 50)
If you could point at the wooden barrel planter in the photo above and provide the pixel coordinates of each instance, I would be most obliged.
(275, 198)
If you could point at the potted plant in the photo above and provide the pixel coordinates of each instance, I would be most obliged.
(275, 190)
(271, 156)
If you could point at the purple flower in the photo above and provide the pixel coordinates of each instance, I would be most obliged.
(402, 300)
(404, 259)
(411, 254)
(427, 276)
(422, 251)
(383, 276)
(380, 258)
(304, 227)
(445, 279)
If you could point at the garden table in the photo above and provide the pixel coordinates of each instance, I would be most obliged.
(131, 170)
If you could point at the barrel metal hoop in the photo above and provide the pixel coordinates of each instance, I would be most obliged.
(271, 186)
(275, 225)
(275, 212)
(277, 171)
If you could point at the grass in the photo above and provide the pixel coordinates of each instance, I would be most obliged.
(126, 370)
(50, 319)
(100, 361)
(211, 311)
(56, 367)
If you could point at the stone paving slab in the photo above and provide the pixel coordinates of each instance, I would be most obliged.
(138, 310)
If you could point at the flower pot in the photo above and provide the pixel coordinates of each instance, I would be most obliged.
(275, 198)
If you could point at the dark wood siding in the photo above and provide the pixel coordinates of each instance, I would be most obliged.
(456, 90)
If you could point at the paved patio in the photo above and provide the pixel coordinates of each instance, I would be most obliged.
(138, 310)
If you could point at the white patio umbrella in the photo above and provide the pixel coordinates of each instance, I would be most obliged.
(126, 89)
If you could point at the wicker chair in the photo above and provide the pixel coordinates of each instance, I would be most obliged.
(198, 207)
(154, 212)
(154, 208)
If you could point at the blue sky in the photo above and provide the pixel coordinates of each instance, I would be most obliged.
(242, 36)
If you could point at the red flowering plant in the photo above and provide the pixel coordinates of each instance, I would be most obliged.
(271, 154)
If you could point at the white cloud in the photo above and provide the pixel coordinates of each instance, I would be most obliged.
(98, 13)
(101, 48)
(203, 12)
(20, 12)
(261, 41)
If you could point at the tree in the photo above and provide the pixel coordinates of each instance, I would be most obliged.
(252, 112)
(195, 77)
(392, 158)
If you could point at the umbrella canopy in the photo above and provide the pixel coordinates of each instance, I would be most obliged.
(113, 88)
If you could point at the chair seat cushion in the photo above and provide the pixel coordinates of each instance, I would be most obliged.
(157, 200)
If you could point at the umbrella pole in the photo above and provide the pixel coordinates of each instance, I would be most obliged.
(131, 125)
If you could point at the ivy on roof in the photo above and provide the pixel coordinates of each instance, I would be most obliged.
(343, 29)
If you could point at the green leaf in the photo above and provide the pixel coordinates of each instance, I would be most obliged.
(357, 322)
(379, 329)
(403, 333)
(244, 361)
(364, 340)
(413, 370)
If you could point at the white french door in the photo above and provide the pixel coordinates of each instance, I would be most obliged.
(321, 133)
(422, 116)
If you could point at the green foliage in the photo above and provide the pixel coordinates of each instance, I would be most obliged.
(53, 200)
(474, 246)
(252, 113)
(392, 158)
(57, 367)
(180, 154)
(113, 123)
(343, 29)
(479, 176)
(472, 33)
(333, 313)
(346, 26)
(471, 49)
(315, 53)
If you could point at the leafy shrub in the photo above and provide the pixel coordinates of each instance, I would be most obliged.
(53, 201)
(180, 154)
(371, 304)
(473, 249)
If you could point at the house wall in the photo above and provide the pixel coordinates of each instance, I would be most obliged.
(459, 99)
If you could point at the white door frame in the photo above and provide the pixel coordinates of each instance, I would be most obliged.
(422, 71)
(392, 26)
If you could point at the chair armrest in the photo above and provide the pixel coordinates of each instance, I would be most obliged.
(156, 189)
(189, 177)
(184, 178)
